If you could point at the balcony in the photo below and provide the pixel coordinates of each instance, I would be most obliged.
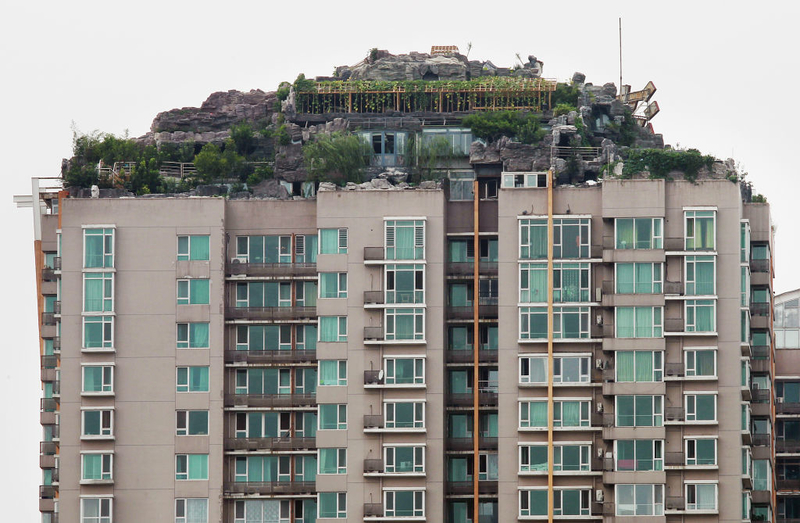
(267, 488)
(270, 400)
(760, 309)
(761, 351)
(787, 446)
(762, 497)
(373, 254)
(782, 407)
(373, 466)
(47, 491)
(48, 318)
(674, 370)
(674, 414)
(373, 377)
(466, 399)
(673, 324)
(373, 333)
(467, 444)
(487, 308)
(270, 356)
(673, 287)
(373, 510)
(374, 298)
(47, 461)
(762, 440)
(761, 366)
(674, 459)
(286, 443)
(675, 503)
(760, 395)
(467, 269)
(270, 313)
(49, 274)
(468, 356)
(287, 270)
(49, 404)
(373, 421)
(48, 448)
(49, 361)
(788, 484)
(759, 265)
(466, 488)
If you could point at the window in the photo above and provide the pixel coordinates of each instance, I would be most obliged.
(97, 423)
(639, 278)
(404, 503)
(404, 460)
(701, 451)
(639, 233)
(332, 505)
(565, 414)
(639, 366)
(701, 407)
(640, 500)
(570, 282)
(405, 239)
(98, 248)
(191, 466)
(333, 328)
(568, 322)
(263, 294)
(701, 496)
(305, 337)
(459, 138)
(192, 423)
(264, 249)
(461, 185)
(333, 285)
(332, 461)
(571, 237)
(96, 510)
(193, 248)
(700, 230)
(566, 369)
(512, 180)
(192, 379)
(701, 363)
(333, 417)
(96, 467)
(333, 241)
(264, 381)
(404, 415)
(762, 474)
(744, 242)
(98, 292)
(192, 510)
(98, 379)
(533, 239)
(700, 316)
(533, 458)
(700, 276)
(639, 455)
(639, 322)
(404, 371)
(266, 337)
(744, 290)
(639, 411)
(405, 284)
(193, 292)
(333, 372)
(192, 335)
(98, 332)
(533, 503)
(571, 502)
(405, 324)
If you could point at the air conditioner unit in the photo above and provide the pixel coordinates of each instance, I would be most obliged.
(599, 495)
(235, 261)
(600, 407)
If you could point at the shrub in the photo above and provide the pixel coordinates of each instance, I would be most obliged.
(659, 162)
(563, 108)
(242, 136)
(491, 126)
(566, 94)
(337, 156)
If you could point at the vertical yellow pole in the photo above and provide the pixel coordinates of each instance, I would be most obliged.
(550, 492)
(475, 351)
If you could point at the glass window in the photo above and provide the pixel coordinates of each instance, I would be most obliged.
(404, 503)
(97, 423)
(405, 324)
(332, 461)
(404, 371)
(192, 423)
(333, 285)
(193, 248)
(268, 337)
(332, 505)
(405, 239)
(264, 249)
(638, 233)
(639, 278)
(192, 335)
(639, 366)
(533, 503)
(762, 474)
(192, 379)
(639, 322)
(701, 316)
(459, 138)
(333, 241)
(333, 328)
(701, 496)
(700, 276)
(404, 460)
(96, 467)
(568, 322)
(96, 510)
(193, 292)
(98, 248)
(701, 363)
(332, 417)
(701, 407)
(191, 466)
(98, 292)
(571, 502)
(701, 451)
(533, 239)
(404, 415)
(98, 378)
(639, 500)
(639, 455)
(700, 230)
(566, 369)
(265, 294)
(565, 414)
(405, 284)
(639, 411)
(191, 510)
(333, 372)
(461, 185)
(98, 332)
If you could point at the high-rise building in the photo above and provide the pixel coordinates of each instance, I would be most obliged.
(500, 345)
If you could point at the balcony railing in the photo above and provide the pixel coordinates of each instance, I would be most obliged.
(487, 308)
(468, 356)
(49, 404)
(373, 509)
(48, 274)
(787, 446)
(468, 268)
(466, 399)
(762, 497)
(270, 356)
(674, 459)
(674, 370)
(760, 395)
(673, 324)
(463, 444)
(760, 351)
(759, 309)
(759, 265)
(271, 487)
(675, 414)
(272, 269)
(373, 421)
(57, 343)
(373, 332)
(788, 484)
(373, 377)
(284, 443)
(374, 297)
(48, 448)
(787, 408)
(373, 465)
(467, 487)
(47, 491)
(762, 440)
(673, 287)
(48, 318)
(675, 503)
(49, 361)
(270, 400)
(760, 365)
(270, 313)
(373, 254)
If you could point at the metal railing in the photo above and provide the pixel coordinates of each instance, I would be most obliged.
(783, 407)
(674, 370)
(236, 267)
(759, 265)
(373, 509)
(462, 444)
(487, 308)
(270, 400)
(466, 399)
(466, 487)
(673, 324)
(760, 309)
(283, 443)
(760, 365)
(49, 404)
(373, 254)
(374, 297)
(468, 356)
(48, 448)
(788, 484)
(49, 361)
(373, 465)
(762, 440)
(673, 287)
(373, 332)
(788, 446)
(675, 503)
(177, 169)
(270, 356)
(468, 268)
(373, 421)
(270, 487)
(47, 491)
(48, 318)
(270, 313)
(674, 414)
(673, 459)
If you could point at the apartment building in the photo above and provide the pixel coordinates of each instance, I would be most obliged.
(494, 348)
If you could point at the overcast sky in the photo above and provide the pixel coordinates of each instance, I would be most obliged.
(726, 73)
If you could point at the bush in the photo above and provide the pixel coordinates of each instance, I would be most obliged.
(566, 94)
(242, 136)
(493, 125)
(563, 108)
(335, 157)
(660, 162)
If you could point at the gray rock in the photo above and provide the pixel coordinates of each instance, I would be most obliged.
(326, 186)
(380, 183)
(271, 189)
(578, 78)
(241, 195)
(428, 184)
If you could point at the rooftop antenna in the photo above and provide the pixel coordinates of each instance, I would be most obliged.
(620, 53)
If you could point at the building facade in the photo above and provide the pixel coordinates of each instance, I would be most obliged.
(494, 349)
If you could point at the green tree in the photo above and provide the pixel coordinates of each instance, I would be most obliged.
(337, 157)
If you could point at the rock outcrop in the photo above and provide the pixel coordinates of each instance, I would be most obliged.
(218, 113)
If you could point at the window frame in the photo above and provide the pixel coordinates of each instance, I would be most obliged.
(692, 507)
(692, 214)
(418, 226)
(418, 322)
(418, 496)
(341, 369)
(341, 328)
(693, 401)
(342, 240)
(693, 461)
(656, 415)
(390, 277)
(656, 282)
(656, 240)
(107, 381)
(690, 362)
(188, 342)
(341, 460)
(693, 306)
(656, 492)
(418, 413)
(657, 371)
(339, 290)
(417, 451)
(106, 423)
(188, 385)
(187, 256)
(656, 451)
(341, 414)
(105, 504)
(185, 507)
(107, 328)
(109, 248)
(106, 467)
(107, 300)
(183, 422)
(391, 378)
(657, 322)
(187, 472)
(186, 284)
(341, 505)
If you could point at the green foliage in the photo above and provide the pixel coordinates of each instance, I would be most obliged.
(373, 54)
(302, 84)
(563, 108)
(628, 131)
(660, 162)
(214, 164)
(335, 157)
(242, 136)
(758, 198)
(492, 125)
(566, 94)
(429, 156)
(261, 173)
(283, 91)
(282, 136)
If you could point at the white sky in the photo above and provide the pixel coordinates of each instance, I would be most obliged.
(725, 72)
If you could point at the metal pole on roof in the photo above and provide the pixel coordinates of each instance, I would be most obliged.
(620, 54)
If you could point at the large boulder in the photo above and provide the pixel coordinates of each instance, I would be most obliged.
(218, 113)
